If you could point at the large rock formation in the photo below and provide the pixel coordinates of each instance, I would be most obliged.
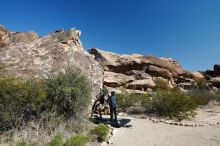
(137, 71)
(27, 54)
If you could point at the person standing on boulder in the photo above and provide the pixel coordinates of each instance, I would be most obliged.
(112, 105)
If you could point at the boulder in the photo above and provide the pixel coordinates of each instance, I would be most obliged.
(215, 81)
(25, 54)
(185, 80)
(3, 33)
(158, 72)
(162, 82)
(197, 75)
(185, 85)
(142, 84)
(209, 73)
(112, 79)
(217, 69)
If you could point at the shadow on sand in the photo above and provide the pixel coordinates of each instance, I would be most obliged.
(122, 122)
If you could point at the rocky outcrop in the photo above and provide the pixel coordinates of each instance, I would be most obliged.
(136, 71)
(217, 69)
(141, 73)
(213, 77)
(125, 63)
(26, 54)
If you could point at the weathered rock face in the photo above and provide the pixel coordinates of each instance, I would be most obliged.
(125, 63)
(136, 71)
(112, 79)
(142, 84)
(26, 54)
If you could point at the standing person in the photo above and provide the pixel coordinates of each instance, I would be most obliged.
(112, 105)
(101, 103)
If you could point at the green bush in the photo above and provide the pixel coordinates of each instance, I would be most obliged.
(2, 66)
(168, 102)
(203, 96)
(200, 84)
(68, 94)
(217, 95)
(105, 91)
(56, 141)
(101, 131)
(20, 100)
(125, 99)
(77, 140)
(21, 143)
(173, 103)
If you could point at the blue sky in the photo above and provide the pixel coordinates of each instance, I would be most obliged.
(186, 30)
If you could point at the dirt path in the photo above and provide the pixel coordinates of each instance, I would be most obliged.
(144, 132)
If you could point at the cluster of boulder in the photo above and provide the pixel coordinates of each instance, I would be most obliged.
(27, 54)
(213, 76)
(138, 73)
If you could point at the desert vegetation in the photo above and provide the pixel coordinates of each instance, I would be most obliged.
(100, 132)
(169, 102)
(24, 99)
(45, 109)
(77, 140)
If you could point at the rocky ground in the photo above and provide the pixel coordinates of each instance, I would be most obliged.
(145, 132)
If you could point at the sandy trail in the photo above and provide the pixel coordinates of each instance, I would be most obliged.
(144, 132)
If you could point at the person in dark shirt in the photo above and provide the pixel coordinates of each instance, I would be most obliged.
(112, 105)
